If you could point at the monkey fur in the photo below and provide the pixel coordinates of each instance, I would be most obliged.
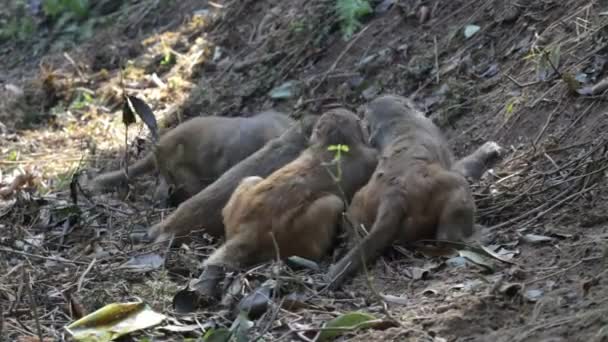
(195, 153)
(296, 210)
(204, 210)
(416, 191)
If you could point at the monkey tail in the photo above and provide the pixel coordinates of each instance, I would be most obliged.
(118, 177)
(382, 234)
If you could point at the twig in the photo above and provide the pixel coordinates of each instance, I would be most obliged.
(546, 56)
(436, 59)
(542, 131)
(2, 323)
(78, 71)
(333, 66)
(33, 305)
(82, 277)
(543, 213)
(341, 329)
(561, 271)
(8, 250)
(521, 85)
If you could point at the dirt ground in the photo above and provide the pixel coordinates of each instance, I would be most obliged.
(527, 74)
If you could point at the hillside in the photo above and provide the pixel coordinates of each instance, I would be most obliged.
(527, 74)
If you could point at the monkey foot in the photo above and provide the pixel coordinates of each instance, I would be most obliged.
(336, 276)
(202, 292)
(493, 152)
(208, 286)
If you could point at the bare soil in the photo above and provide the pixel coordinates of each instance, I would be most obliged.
(543, 208)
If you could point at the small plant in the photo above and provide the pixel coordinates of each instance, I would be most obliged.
(338, 149)
(18, 25)
(83, 100)
(57, 8)
(349, 13)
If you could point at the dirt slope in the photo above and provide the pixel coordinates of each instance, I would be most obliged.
(517, 80)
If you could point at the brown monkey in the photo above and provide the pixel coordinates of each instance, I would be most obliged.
(204, 210)
(298, 207)
(415, 192)
(197, 152)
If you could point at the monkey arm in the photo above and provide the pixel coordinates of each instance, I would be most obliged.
(475, 164)
(383, 233)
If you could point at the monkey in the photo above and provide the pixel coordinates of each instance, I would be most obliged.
(416, 192)
(195, 153)
(204, 210)
(297, 209)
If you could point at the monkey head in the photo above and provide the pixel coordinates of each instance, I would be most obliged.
(383, 113)
(338, 126)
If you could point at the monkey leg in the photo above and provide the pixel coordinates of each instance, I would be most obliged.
(457, 217)
(483, 158)
(116, 178)
(240, 251)
(313, 232)
(391, 215)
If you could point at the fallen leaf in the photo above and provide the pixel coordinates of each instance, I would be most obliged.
(533, 295)
(256, 303)
(180, 328)
(395, 299)
(430, 292)
(503, 255)
(284, 91)
(533, 238)
(241, 326)
(470, 30)
(185, 301)
(134, 105)
(351, 320)
(384, 6)
(114, 320)
(217, 335)
(144, 263)
(417, 273)
(295, 301)
(478, 259)
(510, 289)
(296, 262)
(456, 262)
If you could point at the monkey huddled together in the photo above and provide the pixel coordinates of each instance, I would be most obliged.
(274, 187)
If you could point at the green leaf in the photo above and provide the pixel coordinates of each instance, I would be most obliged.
(241, 326)
(349, 12)
(470, 30)
(352, 320)
(13, 155)
(217, 335)
(339, 147)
